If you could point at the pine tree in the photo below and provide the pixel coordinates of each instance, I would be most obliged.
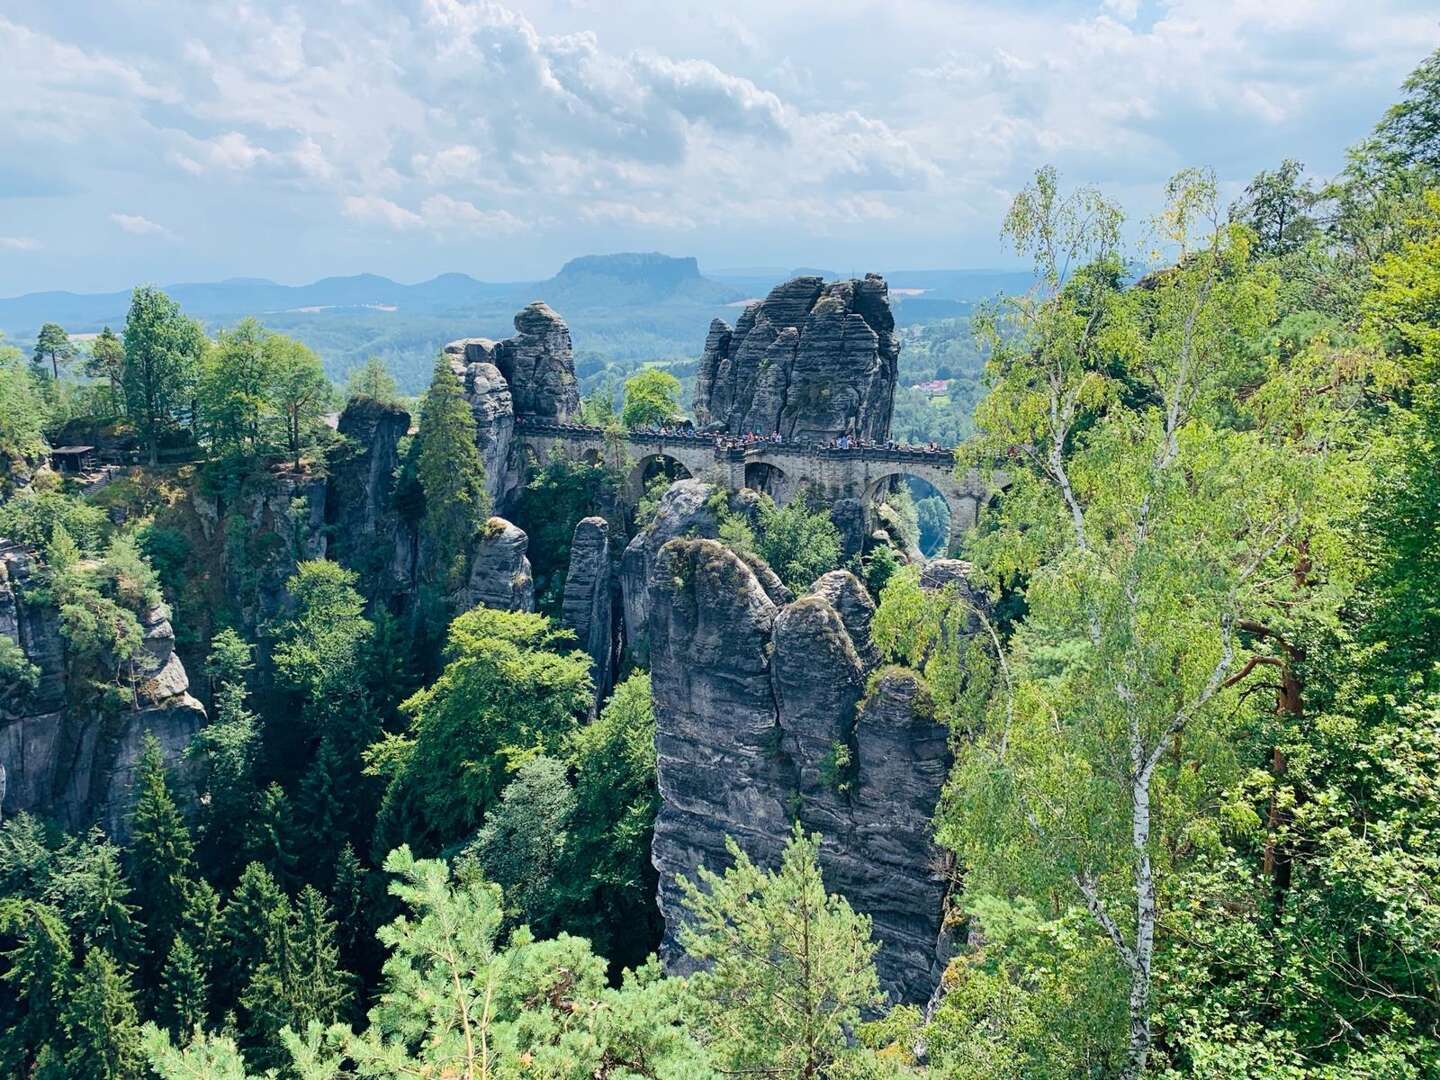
(790, 968)
(201, 926)
(102, 1023)
(299, 983)
(160, 858)
(107, 361)
(452, 476)
(228, 746)
(54, 343)
(184, 996)
(349, 896)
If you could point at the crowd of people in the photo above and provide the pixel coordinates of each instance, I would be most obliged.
(751, 439)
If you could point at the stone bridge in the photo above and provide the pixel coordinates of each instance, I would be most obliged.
(780, 469)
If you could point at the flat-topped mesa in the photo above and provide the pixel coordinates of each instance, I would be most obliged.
(813, 361)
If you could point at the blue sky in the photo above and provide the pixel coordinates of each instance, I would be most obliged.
(173, 140)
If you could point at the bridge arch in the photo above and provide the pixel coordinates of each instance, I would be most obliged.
(648, 467)
(962, 504)
(770, 478)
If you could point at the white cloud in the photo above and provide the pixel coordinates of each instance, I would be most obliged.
(136, 225)
(17, 243)
(443, 212)
(745, 132)
(375, 210)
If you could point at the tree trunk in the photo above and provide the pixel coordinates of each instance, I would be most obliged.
(1139, 1049)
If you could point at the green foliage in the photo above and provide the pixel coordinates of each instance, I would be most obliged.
(372, 380)
(521, 846)
(451, 475)
(37, 974)
(1410, 131)
(102, 1022)
(162, 359)
(652, 398)
(799, 542)
(299, 982)
(106, 360)
(23, 412)
(607, 869)
(32, 514)
(53, 344)
(455, 1004)
(558, 495)
(789, 968)
(507, 691)
(320, 647)
(260, 392)
(251, 922)
(161, 855)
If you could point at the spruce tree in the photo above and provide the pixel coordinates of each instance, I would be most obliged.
(161, 858)
(36, 975)
(299, 983)
(324, 812)
(452, 476)
(252, 920)
(184, 995)
(102, 1023)
(273, 836)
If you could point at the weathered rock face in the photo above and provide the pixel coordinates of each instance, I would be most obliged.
(269, 529)
(491, 402)
(764, 716)
(499, 570)
(717, 737)
(682, 512)
(360, 513)
(538, 365)
(811, 361)
(73, 763)
(587, 606)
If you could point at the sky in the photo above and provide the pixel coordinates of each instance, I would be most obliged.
(182, 140)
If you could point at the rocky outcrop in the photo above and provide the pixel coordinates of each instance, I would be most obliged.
(538, 365)
(360, 513)
(587, 604)
(683, 511)
(811, 361)
(69, 760)
(768, 713)
(499, 570)
(491, 402)
(261, 535)
(851, 600)
(720, 767)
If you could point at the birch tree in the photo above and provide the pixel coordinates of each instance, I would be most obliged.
(1163, 476)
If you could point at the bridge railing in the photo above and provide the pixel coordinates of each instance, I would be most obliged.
(732, 448)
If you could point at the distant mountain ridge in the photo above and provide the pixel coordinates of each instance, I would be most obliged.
(629, 306)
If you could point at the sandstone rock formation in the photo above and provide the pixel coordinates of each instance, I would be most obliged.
(536, 365)
(360, 512)
(499, 570)
(70, 762)
(587, 605)
(811, 361)
(491, 402)
(769, 712)
(682, 512)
